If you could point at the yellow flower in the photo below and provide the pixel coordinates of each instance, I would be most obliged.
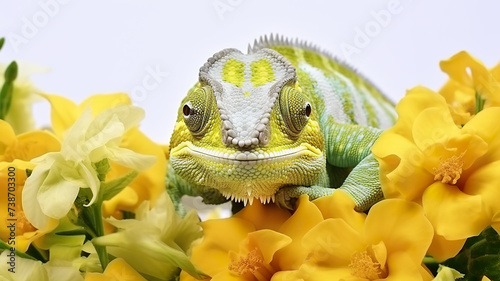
(322, 240)
(390, 246)
(451, 171)
(56, 180)
(149, 184)
(25, 146)
(15, 154)
(24, 95)
(117, 270)
(156, 242)
(468, 78)
(242, 247)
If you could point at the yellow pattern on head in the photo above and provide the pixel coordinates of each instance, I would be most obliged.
(262, 72)
(233, 72)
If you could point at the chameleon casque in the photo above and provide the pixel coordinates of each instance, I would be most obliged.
(283, 120)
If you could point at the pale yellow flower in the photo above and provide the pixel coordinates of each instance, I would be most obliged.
(56, 180)
(452, 171)
(31, 270)
(447, 274)
(149, 184)
(156, 242)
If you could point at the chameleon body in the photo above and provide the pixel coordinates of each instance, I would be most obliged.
(283, 120)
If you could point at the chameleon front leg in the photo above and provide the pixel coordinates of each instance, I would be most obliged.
(178, 187)
(347, 146)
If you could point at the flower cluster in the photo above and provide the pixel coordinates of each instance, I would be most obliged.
(321, 240)
(82, 191)
(443, 153)
(89, 202)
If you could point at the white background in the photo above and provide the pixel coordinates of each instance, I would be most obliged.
(108, 46)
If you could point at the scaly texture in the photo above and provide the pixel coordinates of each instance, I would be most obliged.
(283, 120)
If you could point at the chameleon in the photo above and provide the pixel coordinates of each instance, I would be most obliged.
(283, 120)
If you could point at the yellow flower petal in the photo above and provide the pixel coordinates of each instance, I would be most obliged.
(454, 214)
(471, 72)
(495, 222)
(267, 241)
(149, 184)
(36, 143)
(117, 270)
(482, 126)
(220, 237)
(485, 182)
(126, 199)
(402, 267)
(442, 129)
(305, 217)
(64, 113)
(310, 272)
(264, 216)
(101, 102)
(227, 276)
(456, 67)
(408, 230)
(340, 205)
(416, 100)
(442, 249)
(332, 242)
(403, 175)
(8, 137)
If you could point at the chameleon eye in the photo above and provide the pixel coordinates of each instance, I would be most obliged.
(196, 111)
(187, 110)
(295, 109)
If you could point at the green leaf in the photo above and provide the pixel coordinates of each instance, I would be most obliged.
(479, 257)
(111, 188)
(79, 231)
(7, 89)
(11, 72)
(2, 40)
(6, 247)
(5, 98)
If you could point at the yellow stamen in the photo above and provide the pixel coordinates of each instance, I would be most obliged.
(363, 266)
(251, 263)
(23, 225)
(449, 170)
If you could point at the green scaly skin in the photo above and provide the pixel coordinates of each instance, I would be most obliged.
(315, 137)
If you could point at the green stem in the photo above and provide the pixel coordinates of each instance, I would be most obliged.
(91, 219)
(99, 231)
(479, 103)
(430, 260)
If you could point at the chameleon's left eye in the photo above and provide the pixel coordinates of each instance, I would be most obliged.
(197, 109)
(295, 109)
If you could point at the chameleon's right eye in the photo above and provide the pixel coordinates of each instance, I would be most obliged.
(197, 110)
(295, 109)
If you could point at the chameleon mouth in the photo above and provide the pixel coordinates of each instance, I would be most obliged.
(245, 176)
(247, 158)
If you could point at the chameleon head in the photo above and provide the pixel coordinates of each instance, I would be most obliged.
(247, 128)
